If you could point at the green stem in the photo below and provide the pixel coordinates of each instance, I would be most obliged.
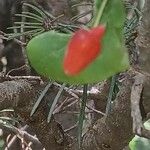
(100, 13)
(110, 96)
(82, 115)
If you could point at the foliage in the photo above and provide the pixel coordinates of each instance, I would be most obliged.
(140, 143)
(46, 51)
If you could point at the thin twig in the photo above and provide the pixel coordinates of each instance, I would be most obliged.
(64, 108)
(16, 69)
(71, 92)
(71, 128)
(8, 77)
(2, 36)
(95, 110)
(21, 134)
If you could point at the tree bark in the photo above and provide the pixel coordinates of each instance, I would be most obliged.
(143, 45)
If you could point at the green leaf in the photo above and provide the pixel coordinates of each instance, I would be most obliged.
(1, 143)
(140, 143)
(46, 51)
(114, 12)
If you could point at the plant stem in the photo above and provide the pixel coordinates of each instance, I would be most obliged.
(82, 115)
(110, 96)
(100, 13)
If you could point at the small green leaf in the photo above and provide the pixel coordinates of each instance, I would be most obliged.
(1, 143)
(140, 143)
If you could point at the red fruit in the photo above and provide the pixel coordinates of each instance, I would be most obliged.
(83, 48)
